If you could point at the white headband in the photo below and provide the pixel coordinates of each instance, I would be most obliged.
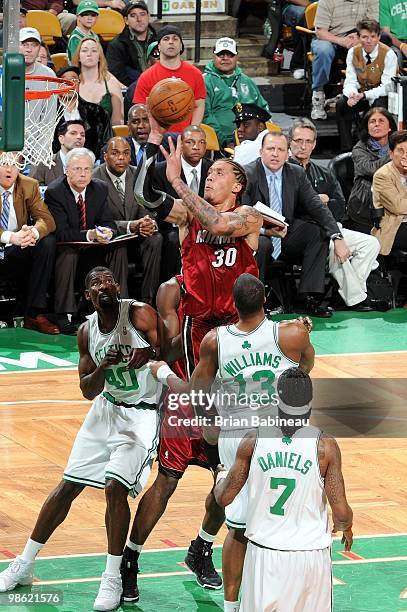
(293, 410)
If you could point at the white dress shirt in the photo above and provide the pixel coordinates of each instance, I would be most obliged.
(352, 85)
(12, 225)
(249, 150)
(187, 169)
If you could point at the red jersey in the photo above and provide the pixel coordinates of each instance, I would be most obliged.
(210, 266)
(187, 72)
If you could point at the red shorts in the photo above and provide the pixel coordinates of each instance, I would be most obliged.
(181, 444)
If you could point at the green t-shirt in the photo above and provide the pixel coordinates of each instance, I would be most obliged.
(75, 40)
(393, 15)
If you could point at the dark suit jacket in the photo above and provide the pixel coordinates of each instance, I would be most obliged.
(29, 206)
(161, 182)
(299, 198)
(45, 175)
(62, 204)
(131, 210)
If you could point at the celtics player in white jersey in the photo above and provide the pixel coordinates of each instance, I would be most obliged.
(116, 444)
(290, 471)
(244, 360)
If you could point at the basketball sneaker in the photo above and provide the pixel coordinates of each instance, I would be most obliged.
(129, 571)
(110, 592)
(199, 561)
(19, 572)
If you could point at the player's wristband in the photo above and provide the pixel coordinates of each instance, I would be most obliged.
(221, 475)
(163, 373)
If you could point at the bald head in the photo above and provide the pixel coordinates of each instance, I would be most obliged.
(117, 155)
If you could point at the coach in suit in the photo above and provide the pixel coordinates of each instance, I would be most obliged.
(71, 134)
(129, 216)
(82, 215)
(27, 241)
(286, 189)
(195, 168)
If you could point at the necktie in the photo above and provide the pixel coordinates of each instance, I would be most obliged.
(119, 188)
(368, 59)
(139, 154)
(275, 204)
(194, 184)
(81, 212)
(5, 214)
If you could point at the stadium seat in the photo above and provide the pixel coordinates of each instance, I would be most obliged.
(47, 25)
(212, 142)
(343, 168)
(59, 60)
(108, 24)
(120, 130)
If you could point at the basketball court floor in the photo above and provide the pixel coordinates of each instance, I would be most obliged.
(361, 398)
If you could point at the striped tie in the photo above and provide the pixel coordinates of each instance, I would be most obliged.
(5, 214)
(81, 212)
(275, 204)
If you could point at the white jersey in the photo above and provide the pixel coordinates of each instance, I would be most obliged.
(287, 506)
(128, 388)
(249, 363)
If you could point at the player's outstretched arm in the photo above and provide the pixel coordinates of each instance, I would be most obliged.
(92, 377)
(167, 300)
(329, 451)
(229, 483)
(241, 222)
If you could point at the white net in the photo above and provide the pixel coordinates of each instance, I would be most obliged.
(42, 115)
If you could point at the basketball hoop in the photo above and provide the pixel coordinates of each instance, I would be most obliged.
(45, 101)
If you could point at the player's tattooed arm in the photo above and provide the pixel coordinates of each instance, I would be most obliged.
(335, 487)
(227, 488)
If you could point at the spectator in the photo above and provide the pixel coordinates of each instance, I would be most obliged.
(335, 24)
(97, 85)
(286, 189)
(129, 216)
(170, 65)
(195, 168)
(370, 67)
(226, 84)
(153, 54)
(80, 208)
(139, 129)
(393, 21)
(98, 128)
(51, 6)
(26, 243)
(250, 121)
(390, 196)
(70, 136)
(293, 15)
(86, 16)
(370, 153)
(127, 53)
(44, 57)
(351, 275)
(67, 18)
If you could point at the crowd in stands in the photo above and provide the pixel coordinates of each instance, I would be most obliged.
(68, 218)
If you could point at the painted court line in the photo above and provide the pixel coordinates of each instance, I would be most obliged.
(361, 354)
(28, 370)
(45, 401)
(188, 573)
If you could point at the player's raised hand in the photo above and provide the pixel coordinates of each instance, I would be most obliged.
(173, 159)
(138, 357)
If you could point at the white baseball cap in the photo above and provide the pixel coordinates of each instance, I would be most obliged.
(225, 44)
(29, 33)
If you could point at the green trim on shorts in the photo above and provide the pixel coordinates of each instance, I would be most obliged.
(140, 406)
(234, 525)
(123, 481)
(85, 481)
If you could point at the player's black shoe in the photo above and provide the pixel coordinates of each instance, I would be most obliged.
(199, 561)
(129, 571)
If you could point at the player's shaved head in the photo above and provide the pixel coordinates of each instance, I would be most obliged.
(248, 294)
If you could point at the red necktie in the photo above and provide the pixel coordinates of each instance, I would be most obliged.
(81, 212)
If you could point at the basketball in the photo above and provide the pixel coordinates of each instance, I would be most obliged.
(171, 101)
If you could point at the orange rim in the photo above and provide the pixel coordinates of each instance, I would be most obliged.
(43, 95)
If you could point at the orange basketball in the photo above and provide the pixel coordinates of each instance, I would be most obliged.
(171, 101)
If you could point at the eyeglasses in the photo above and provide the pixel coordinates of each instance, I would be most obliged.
(301, 141)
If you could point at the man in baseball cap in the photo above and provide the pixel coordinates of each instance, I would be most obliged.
(169, 30)
(127, 53)
(226, 84)
(29, 34)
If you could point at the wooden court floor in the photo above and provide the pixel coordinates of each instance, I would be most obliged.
(40, 413)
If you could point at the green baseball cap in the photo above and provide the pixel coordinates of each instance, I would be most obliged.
(87, 6)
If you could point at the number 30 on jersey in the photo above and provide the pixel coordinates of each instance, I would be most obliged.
(227, 257)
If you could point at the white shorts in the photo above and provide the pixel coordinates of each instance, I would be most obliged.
(286, 581)
(228, 444)
(114, 442)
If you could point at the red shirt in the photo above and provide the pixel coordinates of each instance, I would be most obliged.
(210, 266)
(187, 72)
